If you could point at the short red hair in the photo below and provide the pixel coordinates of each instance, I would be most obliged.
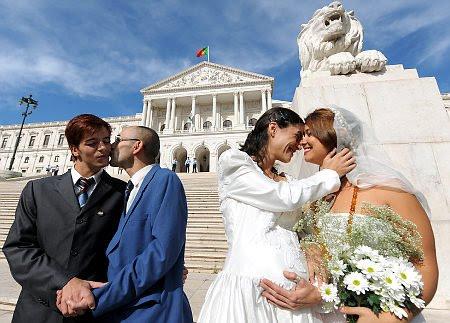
(82, 125)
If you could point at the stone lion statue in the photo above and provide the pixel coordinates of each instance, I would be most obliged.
(332, 41)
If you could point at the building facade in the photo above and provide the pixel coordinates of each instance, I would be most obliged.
(198, 113)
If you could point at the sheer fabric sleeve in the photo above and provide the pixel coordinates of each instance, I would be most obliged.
(241, 179)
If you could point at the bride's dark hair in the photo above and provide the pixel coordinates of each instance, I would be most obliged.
(256, 143)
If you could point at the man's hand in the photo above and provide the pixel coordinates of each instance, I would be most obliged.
(341, 162)
(303, 295)
(76, 297)
(185, 274)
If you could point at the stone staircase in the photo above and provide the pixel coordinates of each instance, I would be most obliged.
(206, 245)
(9, 196)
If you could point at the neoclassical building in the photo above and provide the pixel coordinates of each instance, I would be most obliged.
(199, 112)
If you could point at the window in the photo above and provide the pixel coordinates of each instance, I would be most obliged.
(56, 159)
(227, 124)
(27, 159)
(252, 122)
(32, 139)
(207, 125)
(4, 142)
(46, 140)
(61, 139)
(41, 159)
(163, 126)
(187, 126)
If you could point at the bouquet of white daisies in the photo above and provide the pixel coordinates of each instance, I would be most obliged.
(370, 264)
(368, 279)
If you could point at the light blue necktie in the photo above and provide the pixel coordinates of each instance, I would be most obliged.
(83, 185)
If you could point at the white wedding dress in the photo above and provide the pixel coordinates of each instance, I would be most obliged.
(258, 219)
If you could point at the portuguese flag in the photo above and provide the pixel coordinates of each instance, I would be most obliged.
(203, 52)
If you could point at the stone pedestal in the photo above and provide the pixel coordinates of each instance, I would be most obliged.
(410, 120)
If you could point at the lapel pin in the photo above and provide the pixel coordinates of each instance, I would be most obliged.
(100, 213)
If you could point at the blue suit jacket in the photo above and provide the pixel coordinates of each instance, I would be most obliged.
(146, 256)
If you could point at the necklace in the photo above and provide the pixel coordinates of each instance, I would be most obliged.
(270, 174)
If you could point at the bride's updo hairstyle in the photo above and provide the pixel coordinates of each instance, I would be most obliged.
(256, 143)
(320, 123)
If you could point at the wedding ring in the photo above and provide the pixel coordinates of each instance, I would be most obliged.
(297, 279)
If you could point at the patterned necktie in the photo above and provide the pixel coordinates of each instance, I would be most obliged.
(82, 186)
(128, 190)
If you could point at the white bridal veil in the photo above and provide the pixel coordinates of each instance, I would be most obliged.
(373, 166)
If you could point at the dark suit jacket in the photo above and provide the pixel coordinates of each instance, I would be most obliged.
(52, 240)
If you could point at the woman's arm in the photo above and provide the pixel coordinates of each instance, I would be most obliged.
(240, 179)
(409, 208)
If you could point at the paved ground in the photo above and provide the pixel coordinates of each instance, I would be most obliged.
(195, 288)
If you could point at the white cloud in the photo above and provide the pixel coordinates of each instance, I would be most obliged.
(102, 48)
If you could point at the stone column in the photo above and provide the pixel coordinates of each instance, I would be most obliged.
(149, 121)
(263, 101)
(236, 110)
(214, 112)
(269, 99)
(193, 115)
(166, 122)
(172, 117)
(241, 109)
(219, 118)
(144, 114)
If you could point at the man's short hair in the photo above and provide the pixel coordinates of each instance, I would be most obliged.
(150, 139)
(81, 125)
(84, 124)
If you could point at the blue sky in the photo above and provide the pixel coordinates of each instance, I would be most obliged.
(95, 56)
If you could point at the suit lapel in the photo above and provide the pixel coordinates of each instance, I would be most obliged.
(65, 188)
(102, 188)
(123, 221)
(147, 179)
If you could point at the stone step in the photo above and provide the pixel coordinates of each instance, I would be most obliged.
(194, 220)
(219, 231)
(204, 211)
(216, 256)
(206, 226)
(200, 266)
(211, 245)
(204, 238)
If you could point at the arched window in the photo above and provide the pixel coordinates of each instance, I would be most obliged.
(187, 126)
(252, 122)
(227, 124)
(207, 125)
(163, 126)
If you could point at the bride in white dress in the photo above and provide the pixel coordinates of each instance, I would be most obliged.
(257, 205)
(376, 182)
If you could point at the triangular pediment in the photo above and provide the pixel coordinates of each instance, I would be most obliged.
(206, 74)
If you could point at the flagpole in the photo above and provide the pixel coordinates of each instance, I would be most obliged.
(208, 54)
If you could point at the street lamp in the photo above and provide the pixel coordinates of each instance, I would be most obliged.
(29, 102)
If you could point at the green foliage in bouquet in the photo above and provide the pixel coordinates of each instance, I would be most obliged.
(367, 259)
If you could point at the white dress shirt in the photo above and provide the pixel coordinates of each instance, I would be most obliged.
(137, 179)
(76, 176)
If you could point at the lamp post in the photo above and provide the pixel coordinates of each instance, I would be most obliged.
(29, 102)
